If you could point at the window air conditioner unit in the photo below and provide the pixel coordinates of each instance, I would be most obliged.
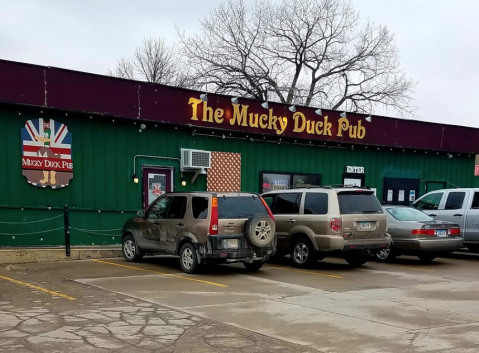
(195, 159)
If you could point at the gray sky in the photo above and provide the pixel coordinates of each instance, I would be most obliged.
(438, 40)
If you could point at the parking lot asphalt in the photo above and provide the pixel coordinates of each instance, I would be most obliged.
(406, 306)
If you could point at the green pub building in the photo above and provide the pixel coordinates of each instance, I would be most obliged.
(107, 147)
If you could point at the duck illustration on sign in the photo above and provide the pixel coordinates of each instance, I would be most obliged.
(47, 153)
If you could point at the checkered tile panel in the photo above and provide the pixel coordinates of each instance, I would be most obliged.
(476, 170)
(225, 172)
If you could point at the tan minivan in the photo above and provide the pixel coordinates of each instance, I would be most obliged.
(313, 223)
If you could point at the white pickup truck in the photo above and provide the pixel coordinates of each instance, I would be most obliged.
(459, 206)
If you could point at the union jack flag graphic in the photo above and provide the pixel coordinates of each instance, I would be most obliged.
(60, 140)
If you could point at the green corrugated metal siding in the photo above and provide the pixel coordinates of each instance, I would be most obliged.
(103, 153)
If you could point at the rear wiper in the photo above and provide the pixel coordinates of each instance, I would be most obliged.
(371, 211)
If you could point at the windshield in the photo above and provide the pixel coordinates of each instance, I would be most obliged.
(239, 207)
(408, 214)
(353, 202)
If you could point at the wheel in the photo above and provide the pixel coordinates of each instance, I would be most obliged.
(302, 252)
(356, 260)
(385, 255)
(259, 230)
(473, 248)
(253, 266)
(188, 258)
(427, 257)
(131, 253)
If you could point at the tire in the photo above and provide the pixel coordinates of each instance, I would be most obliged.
(472, 248)
(189, 259)
(356, 260)
(302, 252)
(427, 257)
(259, 230)
(253, 266)
(385, 255)
(130, 249)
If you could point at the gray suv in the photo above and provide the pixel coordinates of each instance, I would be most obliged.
(313, 223)
(201, 228)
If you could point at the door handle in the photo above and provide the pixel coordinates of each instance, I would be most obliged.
(291, 221)
(180, 224)
(433, 215)
(458, 215)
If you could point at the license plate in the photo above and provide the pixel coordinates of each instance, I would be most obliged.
(230, 244)
(365, 225)
(441, 233)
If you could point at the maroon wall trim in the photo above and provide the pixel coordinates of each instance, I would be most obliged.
(49, 87)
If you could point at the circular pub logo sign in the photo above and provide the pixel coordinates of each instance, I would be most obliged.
(47, 153)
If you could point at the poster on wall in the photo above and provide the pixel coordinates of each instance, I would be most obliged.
(156, 186)
(352, 182)
(401, 196)
(47, 153)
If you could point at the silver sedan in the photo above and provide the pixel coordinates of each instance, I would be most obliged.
(415, 233)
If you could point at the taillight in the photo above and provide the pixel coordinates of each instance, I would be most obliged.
(267, 208)
(214, 216)
(335, 224)
(454, 231)
(430, 232)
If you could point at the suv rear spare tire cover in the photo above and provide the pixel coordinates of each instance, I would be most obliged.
(259, 230)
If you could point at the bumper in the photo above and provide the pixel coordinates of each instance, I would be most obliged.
(429, 245)
(337, 242)
(213, 250)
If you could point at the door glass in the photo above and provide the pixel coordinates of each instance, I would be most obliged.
(177, 208)
(430, 202)
(199, 207)
(475, 201)
(156, 186)
(287, 204)
(158, 209)
(316, 203)
(455, 200)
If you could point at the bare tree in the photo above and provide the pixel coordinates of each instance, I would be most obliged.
(309, 52)
(154, 61)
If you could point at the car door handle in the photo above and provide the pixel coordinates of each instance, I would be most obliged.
(180, 224)
(433, 215)
(458, 215)
(291, 221)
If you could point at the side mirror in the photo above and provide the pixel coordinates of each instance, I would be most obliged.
(141, 214)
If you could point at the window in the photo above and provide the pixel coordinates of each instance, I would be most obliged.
(177, 208)
(239, 207)
(475, 201)
(316, 203)
(455, 200)
(287, 203)
(429, 202)
(158, 209)
(269, 199)
(282, 181)
(354, 202)
(199, 207)
(408, 214)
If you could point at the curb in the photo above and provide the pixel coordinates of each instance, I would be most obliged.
(27, 255)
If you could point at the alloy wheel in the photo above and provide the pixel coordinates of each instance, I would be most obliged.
(130, 249)
(383, 254)
(263, 231)
(187, 258)
(301, 253)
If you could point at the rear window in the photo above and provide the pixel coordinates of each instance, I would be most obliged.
(408, 214)
(358, 202)
(199, 207)
(239, 207)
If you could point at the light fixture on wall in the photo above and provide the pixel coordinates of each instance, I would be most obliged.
(368, 119)
(319, 112)
(265, 105)
(135, 178)
(234, 100)
(204, 97)
(182, 180)
(292, 109)
(343, 115)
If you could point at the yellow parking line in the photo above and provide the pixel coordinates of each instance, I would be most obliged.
(301, 271)
(162, 273)
(39, 288)
(415, 268)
